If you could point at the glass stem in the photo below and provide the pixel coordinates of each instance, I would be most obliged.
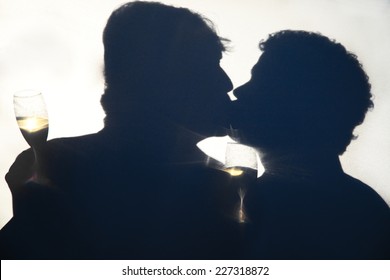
(36, 172)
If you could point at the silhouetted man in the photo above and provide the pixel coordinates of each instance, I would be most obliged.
(139, 188)
(306, 95)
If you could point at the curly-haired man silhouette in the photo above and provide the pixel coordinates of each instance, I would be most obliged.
(306, 95)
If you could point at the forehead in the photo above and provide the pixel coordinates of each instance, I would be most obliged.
(256, 69)
(199, 40)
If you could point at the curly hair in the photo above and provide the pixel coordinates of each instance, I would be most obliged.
(307, 92)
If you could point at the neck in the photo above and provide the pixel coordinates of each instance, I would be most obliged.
(182, 146)
(167, 141)
(301, 165)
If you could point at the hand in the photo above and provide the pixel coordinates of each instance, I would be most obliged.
(29, 194)
(21, 171)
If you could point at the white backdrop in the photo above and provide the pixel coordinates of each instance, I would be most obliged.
(56, 46)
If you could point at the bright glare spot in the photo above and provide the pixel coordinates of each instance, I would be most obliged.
(31, 124)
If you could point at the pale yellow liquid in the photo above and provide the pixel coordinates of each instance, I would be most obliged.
(34, 129)
(32, 124)
(234, 171)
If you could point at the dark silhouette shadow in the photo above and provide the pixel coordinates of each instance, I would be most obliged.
(138, 189)
(306, 95)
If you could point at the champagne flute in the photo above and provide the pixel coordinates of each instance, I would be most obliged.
(241, 162)
(240, 159)
(32, 118)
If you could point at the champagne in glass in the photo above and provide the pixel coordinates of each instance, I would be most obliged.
(32, 118)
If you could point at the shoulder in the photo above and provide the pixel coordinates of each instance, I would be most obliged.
(73, 143)
(362, 191)
(71, 148)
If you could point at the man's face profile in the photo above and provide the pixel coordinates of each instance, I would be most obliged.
(199, 90)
